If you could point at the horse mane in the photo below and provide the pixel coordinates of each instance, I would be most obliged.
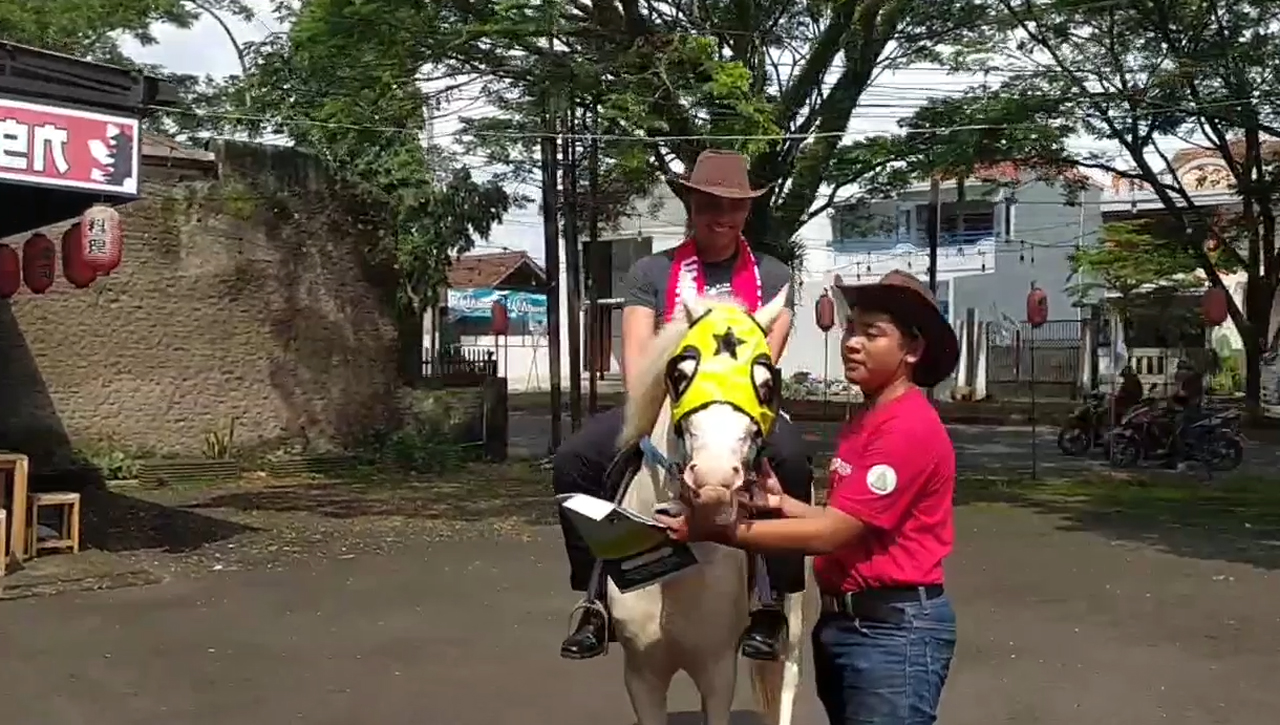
(644, 405)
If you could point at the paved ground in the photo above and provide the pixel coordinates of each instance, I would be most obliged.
(1059, 627)
(1005, 448)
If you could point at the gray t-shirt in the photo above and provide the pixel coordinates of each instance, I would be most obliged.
(645, 285)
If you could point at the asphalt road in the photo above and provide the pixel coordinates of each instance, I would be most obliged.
(1058, 627)
(987, 448)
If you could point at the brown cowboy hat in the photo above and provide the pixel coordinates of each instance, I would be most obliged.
(910, 304)
(723, 174)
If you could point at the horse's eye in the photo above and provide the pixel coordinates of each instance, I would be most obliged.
(765, 377)
(680, 371)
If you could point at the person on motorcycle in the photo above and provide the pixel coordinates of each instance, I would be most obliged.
(1186, 401)
(1130, 393)
(715, 260)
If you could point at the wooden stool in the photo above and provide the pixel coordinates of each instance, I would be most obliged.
(69, 528)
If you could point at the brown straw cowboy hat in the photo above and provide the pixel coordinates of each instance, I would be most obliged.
(910, 304)
(723, 174)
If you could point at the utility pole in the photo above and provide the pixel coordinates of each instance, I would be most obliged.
(551, 239)
(572, 265)
(596, 328)
(935, 200)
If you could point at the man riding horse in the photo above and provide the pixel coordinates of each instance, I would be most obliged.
(715, 261)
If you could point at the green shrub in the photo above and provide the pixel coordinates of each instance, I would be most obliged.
(1230, 375)
(113, 462)
(417, 448)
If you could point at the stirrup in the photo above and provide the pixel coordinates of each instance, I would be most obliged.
(595, 606)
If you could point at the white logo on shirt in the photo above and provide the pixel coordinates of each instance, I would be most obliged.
(840, 467)
(882, 479)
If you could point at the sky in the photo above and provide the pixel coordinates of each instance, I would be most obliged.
(205, 49)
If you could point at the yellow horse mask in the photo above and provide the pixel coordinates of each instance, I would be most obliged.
(724, 358)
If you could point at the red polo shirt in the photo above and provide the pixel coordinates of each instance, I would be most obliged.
(895, 471)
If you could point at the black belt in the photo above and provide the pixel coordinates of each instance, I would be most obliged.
(876, 605)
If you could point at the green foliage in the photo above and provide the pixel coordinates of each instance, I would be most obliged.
(417, 448)
(218, 443)
(1130, 260)
(343, 85)
(112, 461)
(1229, 377)
(1149, 78)
(93, 28)
(781, 79)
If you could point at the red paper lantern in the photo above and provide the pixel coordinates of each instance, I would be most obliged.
(10, 272)
(74, 268)
(101, 239)
(39, 263)
(825, 312)
(1213, 306)
(501, 319)
(1037, 306)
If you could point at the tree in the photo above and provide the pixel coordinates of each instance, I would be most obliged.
(93, 28)
(350, 98)
(1138, 271)
(778, 80)
(1145, 76)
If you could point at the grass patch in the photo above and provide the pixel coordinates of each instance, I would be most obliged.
(1233, 517)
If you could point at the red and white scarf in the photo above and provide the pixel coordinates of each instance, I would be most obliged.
(689, 279)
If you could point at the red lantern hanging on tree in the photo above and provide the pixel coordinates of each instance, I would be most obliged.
(101, 239)
(74, 268)
(501, 323)
(1213, 306)
(10, 272)
(1037, 306)
(39, 263)
(825, 312)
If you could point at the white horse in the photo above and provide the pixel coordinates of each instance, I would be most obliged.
(693, 621)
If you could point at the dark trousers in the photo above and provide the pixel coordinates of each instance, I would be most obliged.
(580, 464)
(875, 673)
(1180, 444)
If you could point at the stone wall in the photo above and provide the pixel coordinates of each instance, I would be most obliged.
(243, 296)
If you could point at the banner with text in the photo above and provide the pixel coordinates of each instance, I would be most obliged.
(470, 311)
(61, 147)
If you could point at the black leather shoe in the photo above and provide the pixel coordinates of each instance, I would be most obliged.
(764, 636)
(590, 638)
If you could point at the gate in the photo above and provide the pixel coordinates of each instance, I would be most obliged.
(1056, 346)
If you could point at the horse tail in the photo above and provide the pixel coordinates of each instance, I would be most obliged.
(775, 683)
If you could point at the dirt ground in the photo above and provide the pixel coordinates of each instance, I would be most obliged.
(373, 599)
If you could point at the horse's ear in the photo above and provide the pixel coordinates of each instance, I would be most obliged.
(693, 309)
(768, 314)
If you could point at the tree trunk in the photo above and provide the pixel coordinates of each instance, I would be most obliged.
(409, 333)
(1258, 299)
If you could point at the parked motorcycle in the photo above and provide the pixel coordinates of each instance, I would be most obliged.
(1141, 431)
(1086, 426)
(1216, 442)
(1147, 431)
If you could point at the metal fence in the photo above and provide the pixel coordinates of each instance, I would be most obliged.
(462, 364)
(1017, 353)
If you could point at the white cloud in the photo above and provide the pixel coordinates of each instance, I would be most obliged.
(204, 49)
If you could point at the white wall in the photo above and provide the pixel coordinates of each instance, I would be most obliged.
(1052, 231)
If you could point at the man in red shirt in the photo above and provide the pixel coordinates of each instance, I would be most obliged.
(882, 648)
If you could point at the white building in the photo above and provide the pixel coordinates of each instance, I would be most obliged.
(992, 247)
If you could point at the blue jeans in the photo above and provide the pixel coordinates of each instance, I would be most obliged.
(872, 673)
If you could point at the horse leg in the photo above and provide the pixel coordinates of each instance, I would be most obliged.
(647, 687)
(716, 679)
